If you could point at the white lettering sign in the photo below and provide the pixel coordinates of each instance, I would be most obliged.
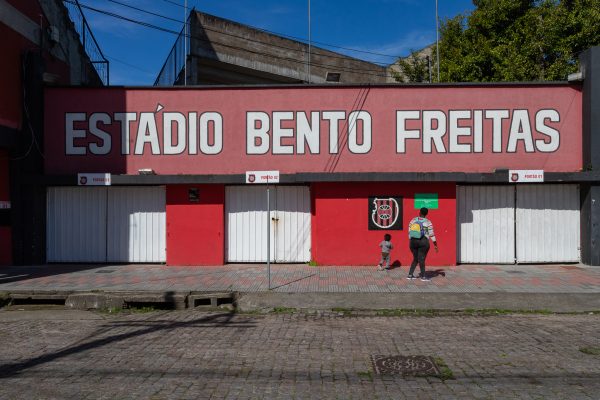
(262, 176)
(463, 130)
(156, 133)
(520, 176)
(175, 133)
(93, 180)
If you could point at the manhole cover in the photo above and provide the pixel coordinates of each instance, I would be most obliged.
(405, 365)
(105, 271)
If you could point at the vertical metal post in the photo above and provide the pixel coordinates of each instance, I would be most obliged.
(268, 235)
(185, 49)
(309, 42)
(437, 40)
(429, 67)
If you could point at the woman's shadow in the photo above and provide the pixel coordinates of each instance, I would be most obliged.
(429, 274)
(435, 273)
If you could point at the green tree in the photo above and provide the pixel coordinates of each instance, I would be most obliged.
(414, 68)
(518, 40)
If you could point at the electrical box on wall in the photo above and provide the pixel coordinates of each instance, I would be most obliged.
(193, 195)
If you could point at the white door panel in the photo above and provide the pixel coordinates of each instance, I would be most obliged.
(548, 223)
(136, 224)
(292, 224)
(486, 224)
(246, 209)
(76, 224)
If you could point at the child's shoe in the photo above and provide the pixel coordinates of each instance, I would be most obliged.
(410, 277)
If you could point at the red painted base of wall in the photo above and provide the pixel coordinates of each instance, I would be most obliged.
(195, 231)
(340, 234)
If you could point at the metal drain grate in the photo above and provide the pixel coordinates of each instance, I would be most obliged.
(105, 271)
(405, 365)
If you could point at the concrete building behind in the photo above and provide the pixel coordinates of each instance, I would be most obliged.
(220, 51)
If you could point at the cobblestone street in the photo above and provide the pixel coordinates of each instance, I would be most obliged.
(195, 355)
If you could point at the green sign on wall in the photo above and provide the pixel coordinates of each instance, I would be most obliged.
(429, 200)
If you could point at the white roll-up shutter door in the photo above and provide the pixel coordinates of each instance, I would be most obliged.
(106, 224)
(548, 223)
(136, 224)
(76, 224)
(246, 209)
(486, 218)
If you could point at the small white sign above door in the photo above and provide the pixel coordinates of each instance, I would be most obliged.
(525, 175)
(93, 179)
(262, 176)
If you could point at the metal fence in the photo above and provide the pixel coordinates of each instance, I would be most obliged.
(91, 47)
(170, 73)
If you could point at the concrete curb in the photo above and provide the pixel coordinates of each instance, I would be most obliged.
(323, 301)
(554, 302)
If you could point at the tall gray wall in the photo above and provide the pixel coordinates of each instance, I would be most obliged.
(590, 193)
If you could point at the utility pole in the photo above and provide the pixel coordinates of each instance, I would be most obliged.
(309, 42)
(437, 39)
(429, 67)
(185, 42)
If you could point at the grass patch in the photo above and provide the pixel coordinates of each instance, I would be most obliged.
(591, 350)
(343, 311)
(283, 310)
(500, 311)
(313, 263)
(446, 372)
(130, 309)
(111, 310)
(367, 375)
(143, 309)
(401, 312)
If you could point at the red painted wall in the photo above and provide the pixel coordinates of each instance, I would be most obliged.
(13, 46)
(340, 234)
(5, 232)
(11, 95)
(195, 231)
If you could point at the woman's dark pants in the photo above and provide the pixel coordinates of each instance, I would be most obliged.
(419, 249)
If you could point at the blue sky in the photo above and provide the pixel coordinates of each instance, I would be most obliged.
(391, 27)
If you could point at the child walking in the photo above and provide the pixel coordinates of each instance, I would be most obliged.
(386, 246)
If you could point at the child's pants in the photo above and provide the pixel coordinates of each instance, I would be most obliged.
(385, 257)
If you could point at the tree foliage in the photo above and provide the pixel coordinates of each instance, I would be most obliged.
(414, 68)
(518, 40)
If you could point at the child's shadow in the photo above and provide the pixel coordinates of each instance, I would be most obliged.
(395, 264)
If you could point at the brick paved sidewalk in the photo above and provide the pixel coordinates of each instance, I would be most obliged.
(300, 278)
(191, 355)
